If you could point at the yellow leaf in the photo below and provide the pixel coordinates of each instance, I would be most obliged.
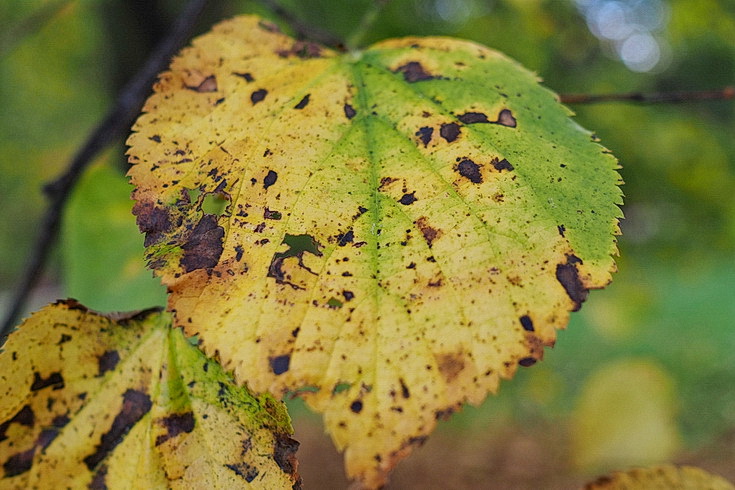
(664, 477)
(404, 225)
(99, 402)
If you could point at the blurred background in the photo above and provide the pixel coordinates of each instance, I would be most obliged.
(645, 372)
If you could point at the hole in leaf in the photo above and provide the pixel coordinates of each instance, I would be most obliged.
(340, 387)
(214, 204)
(334, 303)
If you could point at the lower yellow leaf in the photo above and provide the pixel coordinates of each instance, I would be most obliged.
(88, 400)
(665, 477)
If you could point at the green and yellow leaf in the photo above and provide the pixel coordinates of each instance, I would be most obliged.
(94, 401)
(387, 233)
(665, 477)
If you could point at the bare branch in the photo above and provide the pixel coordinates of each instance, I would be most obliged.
(726, 93)
(115, 124)
(301, 29)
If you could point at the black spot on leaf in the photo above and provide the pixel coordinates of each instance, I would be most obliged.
(99, 482)
(25, 416)
(568, 276)
(238, 252)
(268, 214)
(562, 229)
(152, 220)
(430, 233)
(270, 179)
(405, 393)
(408, 199)
(303, 103)
(473, 118)
(449, 132)
(424, 134)
(54, 379)
(280, 364)
(244, 470)
(19, 463)
(175, 424)
(345, 238)
(356, 406)
(527, 323)
(248, 77)
(135, 405)
(501, 165)
(349, 111)
(204, 246)
(348, 295)
(469, 170)
(527, 361)
(258, 95)
(107, 362)
(414, 72)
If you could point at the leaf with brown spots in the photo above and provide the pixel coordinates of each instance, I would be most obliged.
(429, 177)
(92, 401)
(663, 477)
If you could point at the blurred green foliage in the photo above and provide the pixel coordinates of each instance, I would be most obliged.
(671, 306)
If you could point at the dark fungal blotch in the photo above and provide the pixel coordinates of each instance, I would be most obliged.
(356, 406)
(303, 103)
(107, 362)
(239, 251)
(345, 238)
(430, 233)
(568, 276)
(134, 407)
(244, 470)
(284, 453)
(527, 361)
(258, 96)
(280, 364)
(501, 165)
(348, 295)
(526, 323)
(19, 462)
(449, 132)
(175, 424)
(154, 221)
(505, 118)
(469, 170)
(204, 245)
(349, 111)
(269, 179)
(55, 380)
(473, 118)
(424, 135)
(407, 199)
(413, 71)
(248, 77)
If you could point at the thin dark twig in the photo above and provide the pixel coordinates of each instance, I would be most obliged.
(301, 29)
(115, 124)
(652, 98)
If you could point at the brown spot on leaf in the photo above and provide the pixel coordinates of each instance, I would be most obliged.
(414, 72)
(135, 405)
(430, 233)
(408, 199)
(527, 361)
(424, 134)
(175, 424)
(204, 246)
(54, 379)
(473, 118)
(209, 84)
(505, 118)
(155, 138)
(258, 95)
(469, 170)
(244, 470)
(280, 364)
(303, 103)
(284, 453)
(349, 111)
(107, 362)
(501, 165)
(449, 132)
(302, 49)
(568, 276)
(269, 214)
(152, 220)
(269, 179)
(405, 393)
(450, 365)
